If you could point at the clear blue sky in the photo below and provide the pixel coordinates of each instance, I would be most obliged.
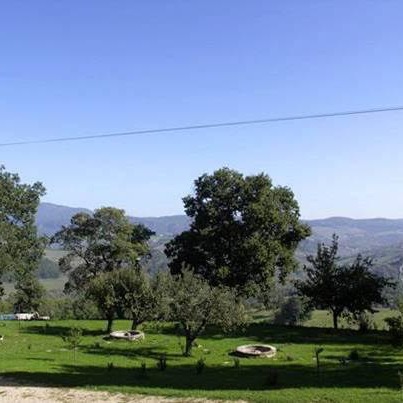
(87, 67)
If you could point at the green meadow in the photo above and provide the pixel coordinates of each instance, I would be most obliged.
(34, 352)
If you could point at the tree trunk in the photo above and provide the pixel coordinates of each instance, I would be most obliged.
(335, 320)
(134, 324)
(188, 346)
(109, 326)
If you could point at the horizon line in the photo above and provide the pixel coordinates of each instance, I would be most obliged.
(183, 214)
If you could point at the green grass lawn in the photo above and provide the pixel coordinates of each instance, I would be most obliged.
(324, 319)
(35, 352)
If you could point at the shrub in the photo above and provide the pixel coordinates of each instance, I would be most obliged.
(292, 312)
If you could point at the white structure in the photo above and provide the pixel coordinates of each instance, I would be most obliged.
(24, 316)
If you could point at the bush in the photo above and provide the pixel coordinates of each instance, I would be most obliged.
(292, 312)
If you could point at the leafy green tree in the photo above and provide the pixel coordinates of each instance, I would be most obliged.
(99, 243)
(135, 295)
(20, 247)
(195, 304)
(161, 284)
(342, 289)
(364, 288)
(29, 294)
(126, 293)
(244, 231)
(324, 285)
(102, 289)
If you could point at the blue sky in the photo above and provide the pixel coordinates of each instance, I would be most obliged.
(72, 68)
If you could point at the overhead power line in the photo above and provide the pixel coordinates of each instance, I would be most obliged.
(207, 126)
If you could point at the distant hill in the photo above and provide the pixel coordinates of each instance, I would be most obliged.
(51, 217)
(355, 235)
(165, 225)
(378, 237)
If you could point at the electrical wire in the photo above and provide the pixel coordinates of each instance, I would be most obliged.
(207, 126)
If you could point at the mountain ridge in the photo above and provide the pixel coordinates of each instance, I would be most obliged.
(380, 238)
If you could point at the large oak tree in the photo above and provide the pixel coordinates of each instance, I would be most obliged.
(244, 231)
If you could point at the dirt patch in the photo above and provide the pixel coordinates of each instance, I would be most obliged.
(14, 392)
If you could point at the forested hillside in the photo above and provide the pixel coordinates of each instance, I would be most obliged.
(379, 238)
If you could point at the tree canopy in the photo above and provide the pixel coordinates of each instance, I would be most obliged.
(99, 243)
(194, 304)
(20, 247)
(102, 290)
(342, 289)
(244, 230)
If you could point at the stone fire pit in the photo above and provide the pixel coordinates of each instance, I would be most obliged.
(256, 350)
(130, 335)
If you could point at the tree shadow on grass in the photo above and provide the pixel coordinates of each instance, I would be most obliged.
(134, 352)
(185, 377)
(314, 335)
(57, 330)
(366, 354)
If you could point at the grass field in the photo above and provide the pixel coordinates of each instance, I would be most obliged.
(35, 352)
(323, 319)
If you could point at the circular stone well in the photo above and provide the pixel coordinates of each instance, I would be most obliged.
(130, 335)
(256, 350)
